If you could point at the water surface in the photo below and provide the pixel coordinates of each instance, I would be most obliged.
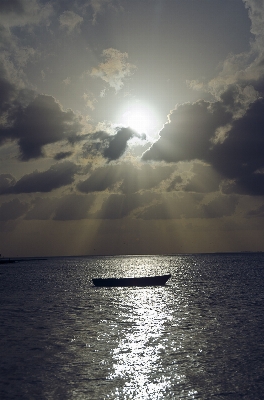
(199, 337)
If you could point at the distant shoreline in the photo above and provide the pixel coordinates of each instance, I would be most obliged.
(12, 260)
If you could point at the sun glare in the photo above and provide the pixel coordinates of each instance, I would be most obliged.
(139, 118)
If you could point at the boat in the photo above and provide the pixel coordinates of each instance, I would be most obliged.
(7, 261)
(158, 280)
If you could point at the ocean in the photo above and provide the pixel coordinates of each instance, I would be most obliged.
(199, 337)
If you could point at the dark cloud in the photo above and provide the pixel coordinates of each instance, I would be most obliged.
(11, 6)
(42, 208)
(204, 179)
(173, 184)
(117, 206)
(118, 143)
(62, 155)
(20, 13)
(12, 210)
(229, 133)
(6, 181)
(145, 205)
(111, 147)
(194, 133)
(13, 96)
(188, 205)
(100, 180)
(150, 205)
(221, 206)
(95, 144)
(240, 158)
(7, 91)
(188, 134)
(251, 184)
(242, 151)
(40, 123)
(71, 207)
(174, 206)
(125, 178)
(259, 213)
(57, 176)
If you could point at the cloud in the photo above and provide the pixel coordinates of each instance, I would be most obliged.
(42, 208)
(244, 70)
(13, 59)
(90, 100)
(146, 205)
(250, 184)
(12, 89)
(256, 14)
(109, 146)
(154, 206)
(24, 12)
(188, 205)
(6, 181)
(67, 81)
(70, 21)
(12, 210)
(12, 6)
(242, 151)
(70, 207)
(204, 179)
(31, 120)
(58, 175)
(98, 6)
(226, 134)
(62, 155)
(117, 206)
(257, 213)
(118, 143)
(220, 206)
(115, 68)
(74, 207)
(174, 206)
(188, 134)
(237, 156)
(125, 178)
(40, 123)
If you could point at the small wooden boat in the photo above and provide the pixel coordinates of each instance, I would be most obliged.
(158, 280)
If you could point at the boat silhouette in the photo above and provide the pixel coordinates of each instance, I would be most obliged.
(158, 280)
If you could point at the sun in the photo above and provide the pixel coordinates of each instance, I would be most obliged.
(138, 118)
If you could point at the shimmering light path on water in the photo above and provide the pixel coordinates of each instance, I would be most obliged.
(199, 337)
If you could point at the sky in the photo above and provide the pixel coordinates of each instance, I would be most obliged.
(131, 127)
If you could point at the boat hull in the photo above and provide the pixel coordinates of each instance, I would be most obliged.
(140, 281)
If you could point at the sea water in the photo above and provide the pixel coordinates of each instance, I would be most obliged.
(199, 337)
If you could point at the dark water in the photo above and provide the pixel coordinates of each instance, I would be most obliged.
(199, 337)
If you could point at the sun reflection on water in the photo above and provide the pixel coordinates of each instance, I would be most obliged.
(140, 351)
